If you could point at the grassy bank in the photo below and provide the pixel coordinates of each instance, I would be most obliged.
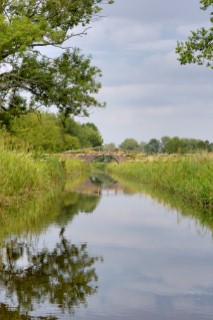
(188, 178)
(37, 203)
(76, 172)
(24, 175)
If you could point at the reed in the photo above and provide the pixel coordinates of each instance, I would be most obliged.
(76, 172)
(22, 175)
(187, 177)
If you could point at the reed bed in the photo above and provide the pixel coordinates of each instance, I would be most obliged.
(76, 171)
(187, 177)
(22, 175)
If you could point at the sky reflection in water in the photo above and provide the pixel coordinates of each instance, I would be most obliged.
(130, 259)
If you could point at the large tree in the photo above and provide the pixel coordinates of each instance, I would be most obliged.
(199, 46)
(28, 77)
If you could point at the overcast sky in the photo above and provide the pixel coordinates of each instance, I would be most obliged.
(148, 93)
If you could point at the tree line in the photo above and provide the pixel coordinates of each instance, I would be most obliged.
(164, 145)
(30, 79)
(49, 132)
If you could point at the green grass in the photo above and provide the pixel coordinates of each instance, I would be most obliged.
(76, 167)
(22, 175)
(76, 171)
(189, 178)
(44, 200)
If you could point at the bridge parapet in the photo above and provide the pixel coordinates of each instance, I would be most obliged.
(89, 157)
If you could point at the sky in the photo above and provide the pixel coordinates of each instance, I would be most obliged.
(148, 93)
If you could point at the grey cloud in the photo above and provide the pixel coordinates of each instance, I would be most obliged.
(158, 11)
(148, 93)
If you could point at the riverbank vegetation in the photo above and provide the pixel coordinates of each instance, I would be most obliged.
(76, 172)
(24, 175)
(188, 178)
(27, 163)
(47, 132)
(33, 190)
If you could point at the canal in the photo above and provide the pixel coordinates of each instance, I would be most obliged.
(107, 252)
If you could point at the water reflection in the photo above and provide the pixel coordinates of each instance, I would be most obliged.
(153, 267)
(74, 203)
(203, 217)
(8, 314)
(31, 275)
(97, 183)
(63, 276)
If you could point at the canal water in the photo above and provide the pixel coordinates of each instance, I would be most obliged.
(105, 252)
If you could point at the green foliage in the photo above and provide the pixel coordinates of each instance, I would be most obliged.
(90, 136)
(189, 178)
(168, 145)
(184, 145)
(40, 131)
(153, 146)
(87, 134)
(23, 175)
(76, 168)
(110, 147)
(71, 143)
(46, 132)
(35, 209)
(198, 48)
(129, 144)
(69, 81)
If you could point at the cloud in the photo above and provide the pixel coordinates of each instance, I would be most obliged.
(148, 93)
(167, 11)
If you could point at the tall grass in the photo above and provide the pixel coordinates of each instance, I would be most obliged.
(76, 172)
(76, 167)
(190, 178)
(22, 174)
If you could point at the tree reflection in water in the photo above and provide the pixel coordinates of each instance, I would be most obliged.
(8, 314)
(64, 277)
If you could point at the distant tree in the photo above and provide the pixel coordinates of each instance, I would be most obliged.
(164, 141)
(204, 145)
(174, 145)
(110, 146)
(184, 145)
(199, 46)
(153, 146)
(142, 146)
(129, 144)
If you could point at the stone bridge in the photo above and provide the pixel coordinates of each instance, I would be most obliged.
(89, 157)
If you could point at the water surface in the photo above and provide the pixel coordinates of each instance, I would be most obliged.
(106, 252)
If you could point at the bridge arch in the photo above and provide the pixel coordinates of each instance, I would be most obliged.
(89, 157)
(111, 156)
